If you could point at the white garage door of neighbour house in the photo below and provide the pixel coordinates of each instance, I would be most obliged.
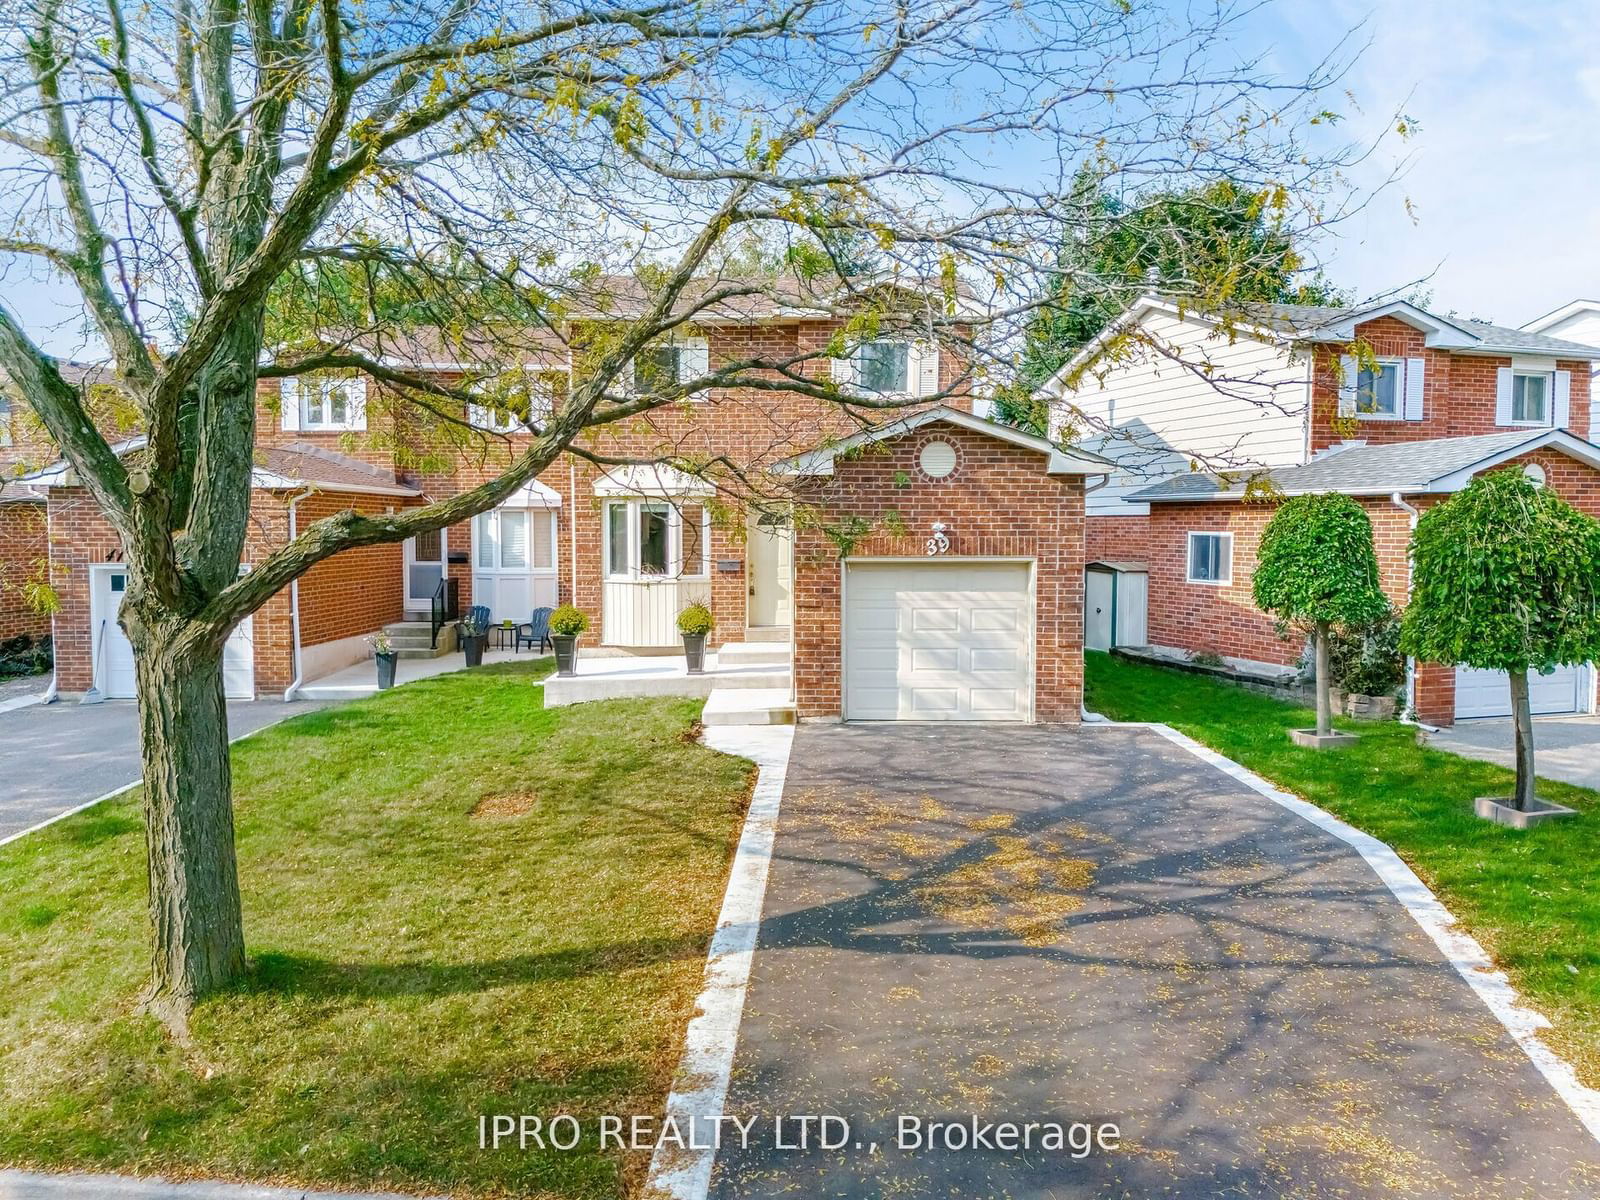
(1488, 693)
(949, 641)
(112, 653)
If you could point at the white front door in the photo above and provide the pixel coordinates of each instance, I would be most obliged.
(770, 562)
(514, 562)
(425, 556)
(1488, 693)
(949, 641)
(112, 654)
(1097, 609)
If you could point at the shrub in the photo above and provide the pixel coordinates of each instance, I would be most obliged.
(1366, 660)
(568, 621)
(695, 619)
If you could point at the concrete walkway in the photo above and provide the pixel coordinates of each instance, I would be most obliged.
(55, 757)
(1565, 748)
(351, 683)
(1053, 927)
(29, 1185)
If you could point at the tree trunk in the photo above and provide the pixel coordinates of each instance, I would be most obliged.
(196, 924)
(1324, 712)
(1522, 720)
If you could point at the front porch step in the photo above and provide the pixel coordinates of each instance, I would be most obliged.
(660, 680)
(748, 706)
(414, 639)
(771, 633)
(753, 653)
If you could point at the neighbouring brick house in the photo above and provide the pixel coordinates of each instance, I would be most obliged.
(631, 543)
(1391, 404)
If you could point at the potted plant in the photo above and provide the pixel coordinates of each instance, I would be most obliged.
(383, 653)
(566, 623)
(695, 623)
(474, 635)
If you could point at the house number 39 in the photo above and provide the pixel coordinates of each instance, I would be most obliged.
(938, 543)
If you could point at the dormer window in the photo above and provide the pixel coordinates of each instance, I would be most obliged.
(1378, 390)
(1530, 398)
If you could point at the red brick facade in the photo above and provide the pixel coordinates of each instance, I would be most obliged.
(359, 591)
(999, 503)
(24, 556)
(1223, 619)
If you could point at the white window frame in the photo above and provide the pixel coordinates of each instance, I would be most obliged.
(1399, 413)
(1548, 384)
(682, 348)
(541, 406)
(5, 420)
(313, 396)
(676, 567)
(909, 383)
(1188, 557)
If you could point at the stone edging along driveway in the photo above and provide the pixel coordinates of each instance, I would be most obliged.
(701, 1086)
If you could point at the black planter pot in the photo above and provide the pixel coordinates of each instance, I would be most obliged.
(386, 664)
(472, 647)
(694, 649)
(566, 645)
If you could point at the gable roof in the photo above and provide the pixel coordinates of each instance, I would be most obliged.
(1571, 309)
(1319, 323)
(1437, 465)
(1061, 461)
(278, 468)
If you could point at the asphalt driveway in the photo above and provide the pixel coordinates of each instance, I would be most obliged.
(54, 757)
(1090, 926)
(1565, 748)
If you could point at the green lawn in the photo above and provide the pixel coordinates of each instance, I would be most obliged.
(415, 964)
(1532, 899)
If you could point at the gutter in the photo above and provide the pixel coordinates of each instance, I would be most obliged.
(1406, 718)
(292, 691)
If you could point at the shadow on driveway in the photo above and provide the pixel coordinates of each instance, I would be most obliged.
(1037, 925)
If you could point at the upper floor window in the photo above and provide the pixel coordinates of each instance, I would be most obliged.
(666, 364)
(324, 404)
(1210, 558)
(514, 406)
(884, 367)
(5, 420)
(1530, 398)
(1378, 390)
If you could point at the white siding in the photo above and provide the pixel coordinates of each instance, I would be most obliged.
(1583, 327)
(1223, 404)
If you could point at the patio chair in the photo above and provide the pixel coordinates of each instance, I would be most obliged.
(478, 616)
(536, 633)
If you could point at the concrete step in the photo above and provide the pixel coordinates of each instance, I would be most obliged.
(735, 654)
(774, 633)
(748, 706)
(617, 685)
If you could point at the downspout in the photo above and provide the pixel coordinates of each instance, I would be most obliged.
(1406, 718)
(50, 696)
(572, 534)
(290, 692)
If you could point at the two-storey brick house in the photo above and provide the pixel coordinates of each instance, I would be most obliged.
(1391, 404)
(631, 542)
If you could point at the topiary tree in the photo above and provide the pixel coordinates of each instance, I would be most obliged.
(1316, 568)
(1507, 579)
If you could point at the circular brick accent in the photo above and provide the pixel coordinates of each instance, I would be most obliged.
(937, 459)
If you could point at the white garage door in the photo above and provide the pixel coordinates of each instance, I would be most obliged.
(938, 642)
(1488, 693)
(113, 653)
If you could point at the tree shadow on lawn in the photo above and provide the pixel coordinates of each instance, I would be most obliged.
(308, 976)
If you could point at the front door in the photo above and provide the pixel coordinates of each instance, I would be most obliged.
(424, 568)
(771, 561)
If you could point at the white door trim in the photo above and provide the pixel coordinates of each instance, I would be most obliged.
(929, 561)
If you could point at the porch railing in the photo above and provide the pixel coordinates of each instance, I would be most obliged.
(444, 607)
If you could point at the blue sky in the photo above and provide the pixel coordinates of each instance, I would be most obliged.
(1498, 202)
(1502, 180)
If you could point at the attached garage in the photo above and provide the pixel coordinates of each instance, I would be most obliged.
(938, 641)
(1488, 693)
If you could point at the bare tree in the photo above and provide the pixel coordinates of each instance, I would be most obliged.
(184, 166)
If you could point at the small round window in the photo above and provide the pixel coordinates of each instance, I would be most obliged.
(1535, 474)
(937, 459)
